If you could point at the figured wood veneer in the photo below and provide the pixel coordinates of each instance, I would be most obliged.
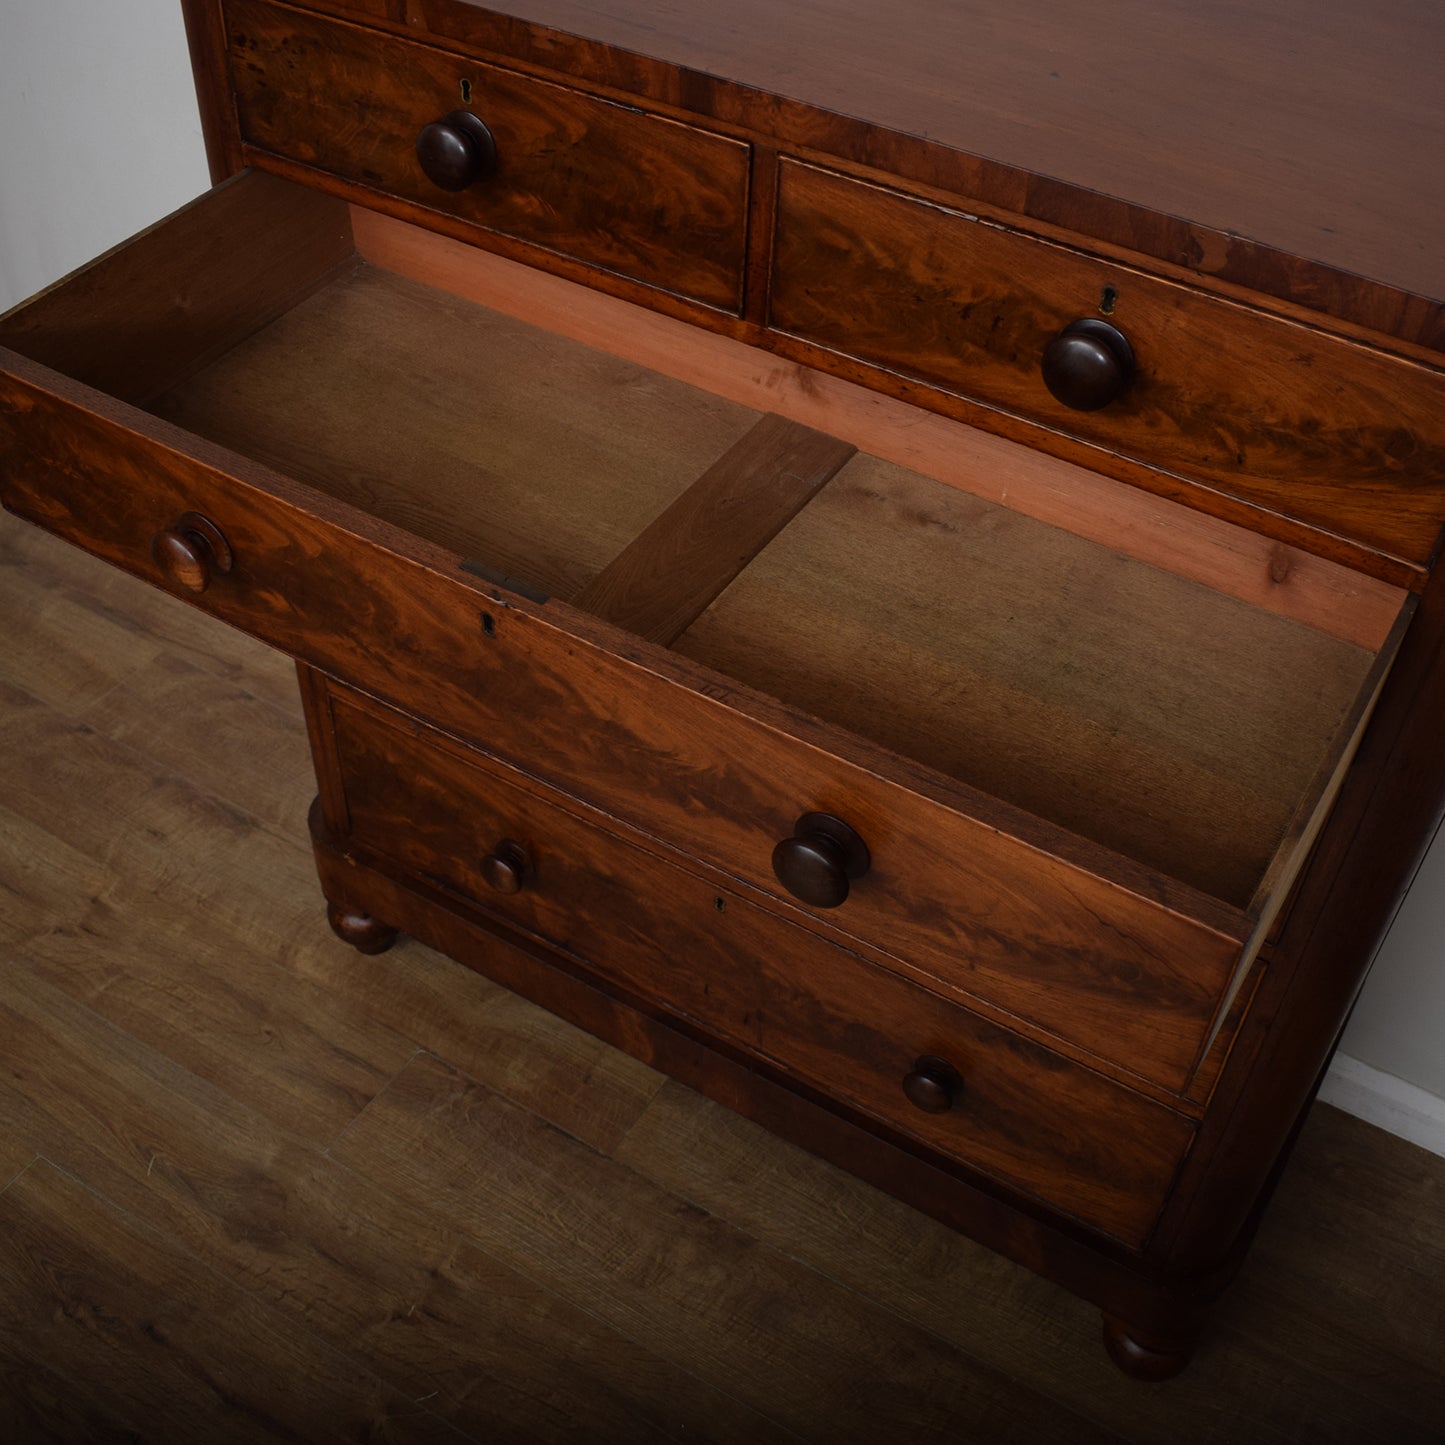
(665, 930)
(1278, 147)
(641, 195)
(1345, 438)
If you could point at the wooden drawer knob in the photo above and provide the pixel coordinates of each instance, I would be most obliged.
(190, 551)
(1088, 364)
(817, 863)
(507, 868)
(456, 151)
(932, 1084)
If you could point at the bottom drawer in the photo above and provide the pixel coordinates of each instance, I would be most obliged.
(681, 936)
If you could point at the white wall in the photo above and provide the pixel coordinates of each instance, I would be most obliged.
(99, 137)
(99, 134)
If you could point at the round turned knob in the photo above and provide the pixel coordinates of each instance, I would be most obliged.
(1088, 364)
(190, 551)
(456, 151)
(932, 1084)
(817, 862)
(507, 868)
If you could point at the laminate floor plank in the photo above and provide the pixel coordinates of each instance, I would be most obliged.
(258, 1034)
(41, 566)
(154, 960)
(39, 1407)
(526, 1054)
(162, 1342)
(1035, 1332)
(65, 653)
(234, 745)
(42, 879)
(392, 1284)
(1358, 1293)
(16, 1156)
(826, 1361)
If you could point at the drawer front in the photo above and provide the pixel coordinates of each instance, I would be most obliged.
(1322, 430)
(972, 898)
(640, 195)
(1123, 970)
(683, 939)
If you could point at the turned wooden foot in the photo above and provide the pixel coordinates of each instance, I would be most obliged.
(360, 930)
(1155, 1356)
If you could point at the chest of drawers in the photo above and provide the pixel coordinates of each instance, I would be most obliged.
(945, 663)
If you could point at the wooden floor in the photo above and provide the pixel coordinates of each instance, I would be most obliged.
(254, 1185)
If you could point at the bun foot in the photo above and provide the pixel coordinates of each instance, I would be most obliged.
(1155, 1358)
(360, 930)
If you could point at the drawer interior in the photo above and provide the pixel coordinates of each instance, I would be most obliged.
(1075, 672)
(531, 454)
(1166, 720)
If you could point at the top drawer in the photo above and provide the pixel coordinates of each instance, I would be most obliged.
(1280, 415)
(609, 185)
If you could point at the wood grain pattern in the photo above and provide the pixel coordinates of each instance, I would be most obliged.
(818, 1012)
(317, 1247)
(189, 1354)
(1272, 575)
(633, 1279)
(734, 1169)
(721, 773)
(1159, 719)
(803, 1034)
(542, 463)
(1208, 140)
(668, 574)
(185, 290)
(645, 196)
(1346, 439)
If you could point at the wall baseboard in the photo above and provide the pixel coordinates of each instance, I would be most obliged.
(1382, 1099)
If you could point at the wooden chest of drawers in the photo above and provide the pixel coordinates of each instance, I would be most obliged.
(950, 683)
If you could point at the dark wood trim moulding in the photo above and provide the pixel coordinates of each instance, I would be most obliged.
(206, 37)
(1391, 806)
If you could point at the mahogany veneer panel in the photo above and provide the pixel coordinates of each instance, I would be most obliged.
(641, 195)
(1347, 439)
(1245, 142)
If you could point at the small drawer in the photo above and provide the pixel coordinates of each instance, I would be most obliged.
(682, 938)
(1280, 415)
(637, 194)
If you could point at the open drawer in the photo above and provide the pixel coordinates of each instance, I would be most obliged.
(1086, 735)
